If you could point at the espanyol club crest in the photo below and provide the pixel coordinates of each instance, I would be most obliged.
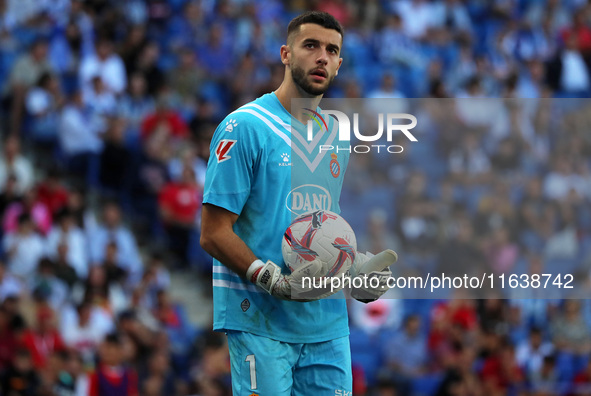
(335, 168)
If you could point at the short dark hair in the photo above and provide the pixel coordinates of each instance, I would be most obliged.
(323, 19)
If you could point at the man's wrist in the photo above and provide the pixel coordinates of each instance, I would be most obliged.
(253, 271)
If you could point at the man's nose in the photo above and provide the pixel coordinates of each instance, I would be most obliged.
(322, 58)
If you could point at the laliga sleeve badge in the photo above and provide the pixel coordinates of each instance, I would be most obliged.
(335, 168)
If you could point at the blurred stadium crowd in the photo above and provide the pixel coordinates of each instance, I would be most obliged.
(107, 111)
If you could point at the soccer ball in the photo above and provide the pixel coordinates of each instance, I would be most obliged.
(321, 234)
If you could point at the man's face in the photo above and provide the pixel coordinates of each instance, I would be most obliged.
(314, 57)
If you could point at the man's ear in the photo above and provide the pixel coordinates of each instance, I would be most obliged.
(285, 54)
(338, 67)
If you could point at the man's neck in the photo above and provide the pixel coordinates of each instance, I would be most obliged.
(288, 91)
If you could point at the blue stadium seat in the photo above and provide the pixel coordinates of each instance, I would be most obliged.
(426, 385)
(365, 352)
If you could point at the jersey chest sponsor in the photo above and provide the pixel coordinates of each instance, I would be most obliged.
(308, 197)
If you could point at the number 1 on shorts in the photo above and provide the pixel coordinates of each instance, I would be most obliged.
(253, 372)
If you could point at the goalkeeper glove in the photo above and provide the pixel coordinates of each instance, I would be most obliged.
(369, 266)
(268, 277)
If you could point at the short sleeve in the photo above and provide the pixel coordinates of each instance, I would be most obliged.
(230, 170)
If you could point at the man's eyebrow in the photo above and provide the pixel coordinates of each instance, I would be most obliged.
(333, 46)
(311, 41)
(316, 41)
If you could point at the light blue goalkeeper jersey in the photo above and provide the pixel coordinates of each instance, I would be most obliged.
(267, 175)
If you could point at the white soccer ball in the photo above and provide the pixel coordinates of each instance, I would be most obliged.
(320, 235)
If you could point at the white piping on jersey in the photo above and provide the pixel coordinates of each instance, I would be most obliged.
(311, 165)
(235, 285)
(222, 269)
(309, 146)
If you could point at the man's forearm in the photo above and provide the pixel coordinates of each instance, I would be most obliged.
(229, 249)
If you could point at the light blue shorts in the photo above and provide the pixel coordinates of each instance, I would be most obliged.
(265, 367)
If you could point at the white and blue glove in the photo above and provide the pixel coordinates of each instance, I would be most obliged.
(370, 266)
(268, 277)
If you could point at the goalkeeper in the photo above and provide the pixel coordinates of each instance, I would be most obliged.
(279, 347)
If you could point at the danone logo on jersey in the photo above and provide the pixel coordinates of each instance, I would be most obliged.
(308, 197)
(391, 121)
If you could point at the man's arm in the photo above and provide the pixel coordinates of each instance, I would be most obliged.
(219, 240)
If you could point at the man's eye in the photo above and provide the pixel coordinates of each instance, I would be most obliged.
(309, 45)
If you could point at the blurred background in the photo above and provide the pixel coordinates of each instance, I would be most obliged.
(107, 110)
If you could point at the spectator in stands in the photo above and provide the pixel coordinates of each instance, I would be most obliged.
(417, 17)
(9, 194)
(188, 76)
(8, 341)
(158, 374)
(65, 51)
(9, 284)
(500, 372)
(469, 163)
(25, 73)
(406, 353)
(31, 205)
(113, 376)
(151, 176)
(146, 64)
(114, 272)
(85, 334)
(67, 235)
(417, 217)
(113, 230)
(45, 282)
(52, 192)
(561, 179)
(213, 53)
(570, 333)
(546, 380)
(71, 378)
(43, 339)
(459, 375)
(211, 372)
(43, 104)
(134, 107)
(106, 64)
(97, 97)
(165, 122)
(130, 48)
(530, 353)
(24, 248)
(501, 251)
(14, 163)
(555, 11)
(180, 202)
(21, 378)
(180, 331)
(116, 162)
(378, 235)
(106, 297)
(582, 381)
(568, 72)
(63, 269)
(79, 132)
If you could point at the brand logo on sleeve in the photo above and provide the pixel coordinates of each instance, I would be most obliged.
(230, 125)
(224, 147)
(285, 161)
